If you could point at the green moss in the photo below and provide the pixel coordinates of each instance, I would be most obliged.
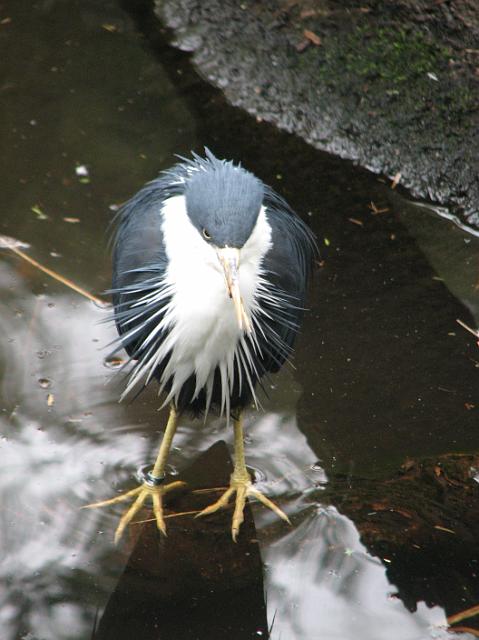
(382, 65)
(392, 55)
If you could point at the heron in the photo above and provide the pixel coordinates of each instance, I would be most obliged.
(210, 275)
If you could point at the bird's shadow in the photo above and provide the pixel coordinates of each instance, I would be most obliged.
(197, 570)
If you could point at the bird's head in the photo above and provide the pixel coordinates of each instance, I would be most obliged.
(223, 202)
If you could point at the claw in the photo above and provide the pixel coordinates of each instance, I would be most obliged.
(219, 504)
(158, 511)
(243, 488)
(238, 516)
(120, 498)
(269, 503)
(142, 493)
(128, 516)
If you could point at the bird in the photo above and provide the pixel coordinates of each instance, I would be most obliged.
(210, 275)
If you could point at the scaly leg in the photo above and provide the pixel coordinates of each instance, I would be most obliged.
(240, 483)
(152, 488)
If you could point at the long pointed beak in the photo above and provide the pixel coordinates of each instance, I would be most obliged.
(229, 259)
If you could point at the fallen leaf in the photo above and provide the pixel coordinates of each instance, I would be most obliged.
(50, 400)
(376, 210)
(439, 528)
(40, 214)
(396, 180)
(72, 220)
(403, 513)
(380, 506)
(360, 223)
(408, 464)
(307, 13)
(302, 46)
(313, 37)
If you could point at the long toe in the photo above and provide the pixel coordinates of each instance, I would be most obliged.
(121, 498)
(178, 484)
(158, 511)
(128, 516)
(243, 490)
(267, 503)
(238, 515)
(221, 503)
(140, 495)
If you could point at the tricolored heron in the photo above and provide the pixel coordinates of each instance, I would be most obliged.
(210, 271)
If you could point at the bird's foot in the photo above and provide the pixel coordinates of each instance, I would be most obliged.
(243, 487)
(140, 495)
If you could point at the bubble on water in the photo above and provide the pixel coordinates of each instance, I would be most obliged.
(45, 383)
(113, 362)
(258, 474)
(317, 466)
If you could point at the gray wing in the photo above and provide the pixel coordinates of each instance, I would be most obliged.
(139, 266)
(288, 266)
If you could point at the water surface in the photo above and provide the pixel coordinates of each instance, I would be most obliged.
(90, 110)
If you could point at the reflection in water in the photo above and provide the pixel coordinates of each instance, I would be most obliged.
(321, 583)
(57, 458)
(49, 454)
(451, 250)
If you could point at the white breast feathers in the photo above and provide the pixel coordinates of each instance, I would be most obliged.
(203, 331)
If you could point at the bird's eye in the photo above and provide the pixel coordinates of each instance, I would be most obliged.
(206, 235)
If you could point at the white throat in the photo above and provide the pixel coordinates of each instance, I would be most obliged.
(203, 328)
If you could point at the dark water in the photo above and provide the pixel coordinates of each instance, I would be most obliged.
(383, 372)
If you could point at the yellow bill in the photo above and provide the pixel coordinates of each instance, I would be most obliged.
(229, 259)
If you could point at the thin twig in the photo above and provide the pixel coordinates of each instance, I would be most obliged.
(170, 515)
(57, 276)
(209, 490)
(473, 632)
(474, 332)
(463, 615)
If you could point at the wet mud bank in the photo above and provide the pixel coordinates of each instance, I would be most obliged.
(393, 86)
(422, 522)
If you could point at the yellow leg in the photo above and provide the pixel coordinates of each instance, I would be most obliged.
(148, 489)
(240, 483)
